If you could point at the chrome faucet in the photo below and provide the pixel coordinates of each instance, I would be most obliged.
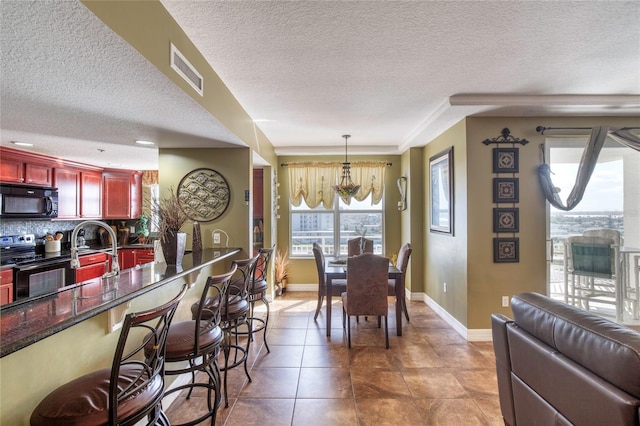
(75, 258)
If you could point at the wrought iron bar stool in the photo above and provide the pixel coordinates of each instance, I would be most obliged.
(126, 393)
(257, 291)
(234, 311)
(198, 342)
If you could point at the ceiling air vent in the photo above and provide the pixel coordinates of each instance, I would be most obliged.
(183, 67)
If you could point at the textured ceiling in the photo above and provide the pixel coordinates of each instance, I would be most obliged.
(392, 74)
(385, 71)
(75, 89)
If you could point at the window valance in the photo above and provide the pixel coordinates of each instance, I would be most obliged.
(150, 177)
(313, 182)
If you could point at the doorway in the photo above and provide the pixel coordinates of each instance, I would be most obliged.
(611, 201)
(258, 210)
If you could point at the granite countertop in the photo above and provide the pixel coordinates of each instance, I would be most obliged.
(65, 254)
(25, 322)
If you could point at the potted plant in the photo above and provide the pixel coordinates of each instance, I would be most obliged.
(280, 264)
(143, 228)
(170, 218)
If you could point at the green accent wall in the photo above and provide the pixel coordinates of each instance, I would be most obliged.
(232, 163)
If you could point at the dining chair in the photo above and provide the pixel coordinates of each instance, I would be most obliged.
(367, 290)
(614, 234)
(403, 261)
(193, 345)
(359, 245)
(337, 286)
(127, 392)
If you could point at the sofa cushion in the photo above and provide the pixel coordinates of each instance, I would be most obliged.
(581, 396)
(609, 350)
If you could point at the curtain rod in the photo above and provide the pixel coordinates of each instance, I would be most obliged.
(286, 164)
(541, 129)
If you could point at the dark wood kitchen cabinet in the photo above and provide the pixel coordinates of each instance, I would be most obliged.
(6, 286)
(91, 194)
(79, 193)
(121, 194)
(67, 180)
(38, 174)
(21, 167)
(84, 191)
(11, 170)
(92, 266)
(129, 258)
(126, 258)
(144, 256)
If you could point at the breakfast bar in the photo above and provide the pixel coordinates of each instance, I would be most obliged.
(52, 339)
(24, 323)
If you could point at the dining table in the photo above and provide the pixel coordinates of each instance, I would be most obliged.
(336, 269)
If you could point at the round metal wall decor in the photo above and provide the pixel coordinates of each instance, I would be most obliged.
(203, 194)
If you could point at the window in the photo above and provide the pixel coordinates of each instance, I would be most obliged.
(333, 228)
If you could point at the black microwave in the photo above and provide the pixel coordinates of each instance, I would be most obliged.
(28, 202)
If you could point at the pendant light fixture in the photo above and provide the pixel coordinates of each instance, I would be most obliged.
(347, 188)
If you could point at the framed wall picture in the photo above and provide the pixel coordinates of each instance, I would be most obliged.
(441, 192)
(506, 250)
(506, 190)
(505, 160)
(506, 220)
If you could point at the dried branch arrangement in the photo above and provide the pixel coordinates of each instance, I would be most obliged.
(169, 215)
(280, 263)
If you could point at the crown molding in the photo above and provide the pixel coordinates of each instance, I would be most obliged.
(544, 100)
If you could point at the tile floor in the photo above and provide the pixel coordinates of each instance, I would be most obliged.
(429, 376)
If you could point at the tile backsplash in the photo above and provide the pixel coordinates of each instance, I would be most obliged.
(40, 228)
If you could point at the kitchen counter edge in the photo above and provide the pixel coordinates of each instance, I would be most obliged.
(10, 345)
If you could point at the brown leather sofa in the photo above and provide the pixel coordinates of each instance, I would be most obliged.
(559, 365)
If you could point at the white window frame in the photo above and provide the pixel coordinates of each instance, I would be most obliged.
(336, 212)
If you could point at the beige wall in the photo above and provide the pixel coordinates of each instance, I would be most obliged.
(445, 256)
(411, 219)
(488, 281)
(465, 261)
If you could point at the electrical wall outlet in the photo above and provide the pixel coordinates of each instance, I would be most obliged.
(216, 238)
(505, 301)
(445, 287)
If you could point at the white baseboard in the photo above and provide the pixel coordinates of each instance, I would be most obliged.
(480, 335)
(473, 335)
(302, 287)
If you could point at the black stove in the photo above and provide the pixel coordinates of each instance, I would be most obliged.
(18, 249)
(34, 273)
